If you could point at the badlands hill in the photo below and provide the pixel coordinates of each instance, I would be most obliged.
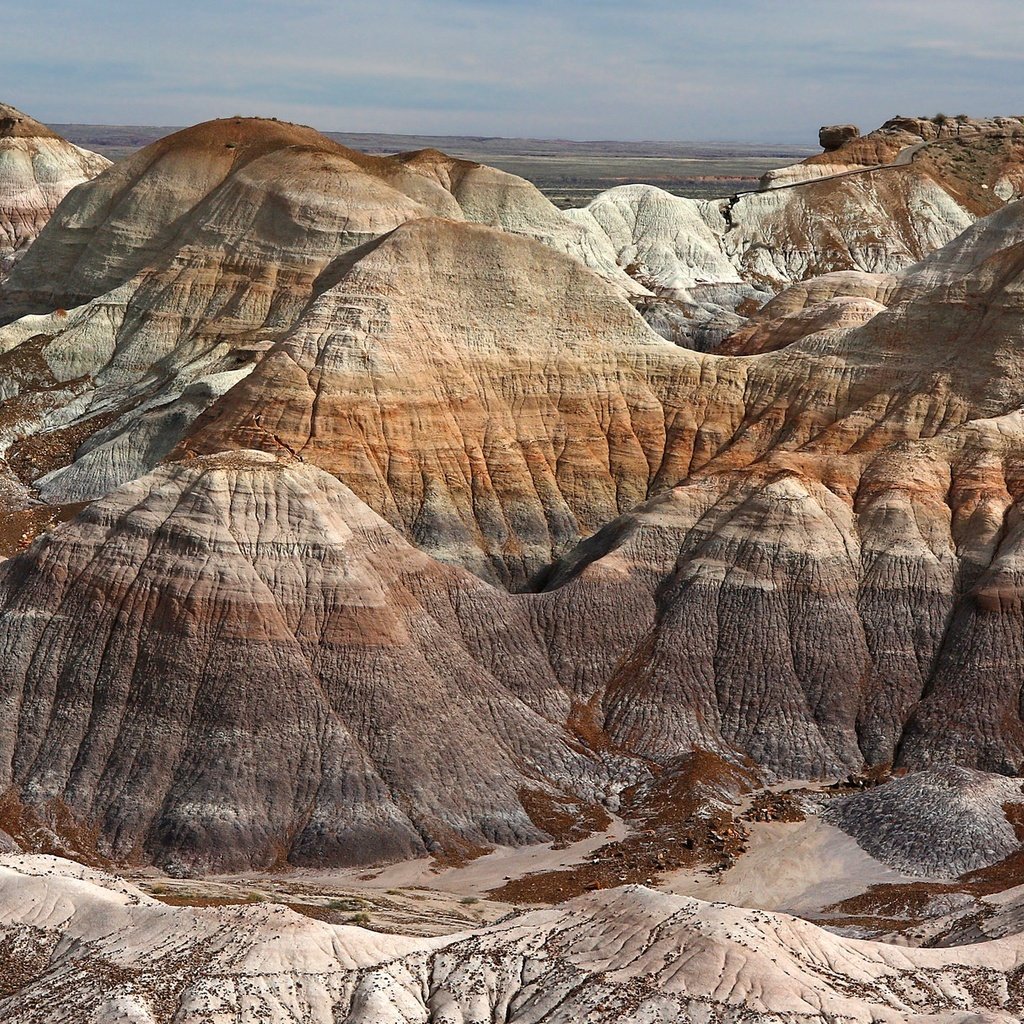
(37, 170)
(84, 945)
(389, 525)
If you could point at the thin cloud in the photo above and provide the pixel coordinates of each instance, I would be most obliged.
(757, 69)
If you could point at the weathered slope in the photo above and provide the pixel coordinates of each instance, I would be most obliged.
(481, 391)
(940, 823)
(161, 284)
(821, 612)
(37, 170)
(877, 222)
(629, 955)
(234, 661)
(963, 254)
(832, 299)
(498, 423)
(493, 422)
(774, 332)
(190, 259)
(196, 187)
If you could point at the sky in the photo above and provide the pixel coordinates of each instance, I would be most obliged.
(757, 70)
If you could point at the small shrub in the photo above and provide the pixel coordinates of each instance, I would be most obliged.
(343, 904)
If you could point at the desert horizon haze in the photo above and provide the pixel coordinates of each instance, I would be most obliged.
(451, 576)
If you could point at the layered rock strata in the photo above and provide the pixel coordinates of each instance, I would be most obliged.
(37, 170)
(340, 461)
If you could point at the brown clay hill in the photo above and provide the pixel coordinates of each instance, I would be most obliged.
(547, 419)
(272, 673)
(158, 286)
(16, 125)
(262, 186)
(209, 187)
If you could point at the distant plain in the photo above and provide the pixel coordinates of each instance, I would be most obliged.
(567, 172)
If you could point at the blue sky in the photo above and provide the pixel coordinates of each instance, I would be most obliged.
(583, 69)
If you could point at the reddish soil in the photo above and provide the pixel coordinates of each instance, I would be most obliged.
(18, 529)
(775, 807)
(565, 819)
(51, 830)
(675, 822)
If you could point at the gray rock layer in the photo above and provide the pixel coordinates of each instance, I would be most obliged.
(940, 823)
(396, 515)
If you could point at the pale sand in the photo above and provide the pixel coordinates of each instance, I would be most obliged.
(795, 867)
(477, 876)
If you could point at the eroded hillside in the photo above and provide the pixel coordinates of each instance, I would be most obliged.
(392, 520)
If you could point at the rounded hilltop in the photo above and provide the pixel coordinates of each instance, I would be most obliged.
(37, 170)
(245, 138)
(16, 125)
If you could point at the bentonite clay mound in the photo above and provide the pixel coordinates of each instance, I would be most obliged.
(942, 822)
(388, 510)
(272, 672)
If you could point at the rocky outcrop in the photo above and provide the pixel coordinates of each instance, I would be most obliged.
(875, 222)
(833, 136)
(629, 955)
(940, 125)
(979, 161)
(873, 204)
(37, 170)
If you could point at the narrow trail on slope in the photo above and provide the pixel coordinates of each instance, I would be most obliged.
(904, 158)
